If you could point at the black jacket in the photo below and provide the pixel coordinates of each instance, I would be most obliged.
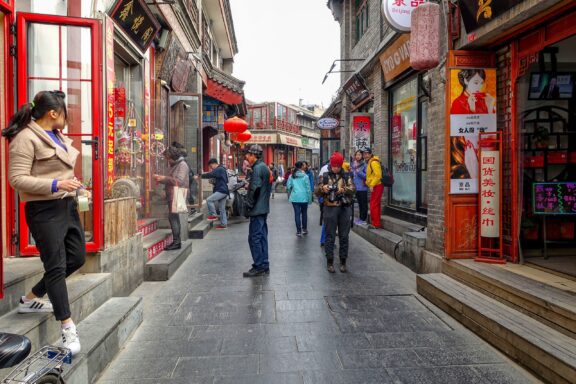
(220, 179)
(258, 197)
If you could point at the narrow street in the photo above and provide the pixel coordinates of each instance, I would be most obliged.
(300, 324)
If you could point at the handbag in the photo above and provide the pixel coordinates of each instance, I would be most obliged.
(179, 200)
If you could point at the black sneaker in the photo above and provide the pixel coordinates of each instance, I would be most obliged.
(173, 246)
(299, 234)
(304, 232)
(256, 272)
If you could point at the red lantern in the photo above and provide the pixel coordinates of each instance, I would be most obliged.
(243, 136)
(233, 137)
(235, 125)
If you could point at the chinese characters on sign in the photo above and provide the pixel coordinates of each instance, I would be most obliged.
(136, 20)
(476, 13)
(110, 103)
(472, 111)
(554, 198)
(490, 194)
(361, 129)
(398, 12)
(356, 90)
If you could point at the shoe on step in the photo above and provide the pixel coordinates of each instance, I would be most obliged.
(173, 246)
(70, 340)
(35, 306)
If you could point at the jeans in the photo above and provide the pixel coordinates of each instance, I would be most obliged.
(55, 226)
(362, 198)
(337, 218)
(274, 184)
(258, 241)
(323, 235)
(301, 216)
(220, 198)
(375, 205)
(174, 219)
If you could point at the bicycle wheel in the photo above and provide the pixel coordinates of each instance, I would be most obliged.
(50, 378)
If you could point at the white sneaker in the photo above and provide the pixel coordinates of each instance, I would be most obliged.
(70, 340)
(35, 306)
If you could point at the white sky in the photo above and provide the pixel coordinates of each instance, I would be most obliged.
(285, 49)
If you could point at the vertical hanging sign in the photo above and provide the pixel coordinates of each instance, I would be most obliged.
(110, 102)
(490, 194)
(361, 130)
(146, 149)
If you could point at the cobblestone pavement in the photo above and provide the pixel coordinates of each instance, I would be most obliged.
(300, 324)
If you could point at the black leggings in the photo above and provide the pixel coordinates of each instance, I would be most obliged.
(55, 226)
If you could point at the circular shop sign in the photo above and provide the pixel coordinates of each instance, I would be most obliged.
(398, 13)
(328, 123)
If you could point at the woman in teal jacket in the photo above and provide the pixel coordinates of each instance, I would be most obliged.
(300, 193)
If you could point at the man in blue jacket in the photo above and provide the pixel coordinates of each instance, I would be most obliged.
(257, 209)
(219, 194)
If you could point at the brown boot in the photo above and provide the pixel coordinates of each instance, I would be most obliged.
(343, 268)
(331, 268)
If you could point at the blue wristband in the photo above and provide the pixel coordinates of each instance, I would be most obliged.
(55, 186)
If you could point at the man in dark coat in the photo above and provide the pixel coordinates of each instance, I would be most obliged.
(257, 209)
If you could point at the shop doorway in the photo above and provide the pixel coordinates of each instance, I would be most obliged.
(547, 176)
(71, 65)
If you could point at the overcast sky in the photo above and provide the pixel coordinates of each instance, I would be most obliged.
(285, 49)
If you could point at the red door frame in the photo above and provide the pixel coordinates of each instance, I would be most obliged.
(7, 8)
(22, 85)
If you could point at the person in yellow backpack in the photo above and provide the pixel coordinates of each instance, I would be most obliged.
(374, 182)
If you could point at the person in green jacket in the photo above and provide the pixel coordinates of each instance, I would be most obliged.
(300, 197)
(258, 207)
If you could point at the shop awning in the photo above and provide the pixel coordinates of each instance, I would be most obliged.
(291, 140)
(224, 87)
(263, 138)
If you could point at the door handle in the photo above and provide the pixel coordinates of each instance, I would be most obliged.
(96, 143)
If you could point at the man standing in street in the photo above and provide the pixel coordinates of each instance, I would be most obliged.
(219, 194)
(337, 190)
(258, 207)
(374, 182)
(274, 178)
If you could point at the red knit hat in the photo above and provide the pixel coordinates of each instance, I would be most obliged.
(336, 160)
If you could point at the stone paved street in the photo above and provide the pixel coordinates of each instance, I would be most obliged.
(300, 324)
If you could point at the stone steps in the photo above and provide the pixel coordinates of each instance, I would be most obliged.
(102, 335)
(195, 219)
(200, 230)
(86, 292)
(163, 266)
(398, 226)
(20, 275)
(548, 353)
(550, 305)
(386, 241)
(155, 242)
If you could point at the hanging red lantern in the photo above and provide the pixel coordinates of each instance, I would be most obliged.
(235, 125)
(243, 136)
(233, 137)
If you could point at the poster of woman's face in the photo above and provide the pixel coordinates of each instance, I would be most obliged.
(472, 111)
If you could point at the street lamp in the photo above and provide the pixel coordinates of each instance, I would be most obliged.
(334, 65)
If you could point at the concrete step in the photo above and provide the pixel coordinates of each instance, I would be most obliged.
(102, 335)
(147, 226)
(200, 230)
(386, 241)
(195, 219)
(156, 242)
(398, 226)
(163, 266)
(86, 292)
(550, 305)
(548, 353)
(20, 275)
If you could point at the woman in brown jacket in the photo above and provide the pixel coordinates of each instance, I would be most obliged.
(41, 169)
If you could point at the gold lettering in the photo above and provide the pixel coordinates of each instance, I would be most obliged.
(127, 10)
(484, 8)
(147, 33)
(137, 23)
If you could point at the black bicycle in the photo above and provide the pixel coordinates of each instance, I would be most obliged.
(43, 367)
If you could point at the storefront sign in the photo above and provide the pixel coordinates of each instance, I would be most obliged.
(310, 143)
(472, 111)
(328, 123)
(396, 59)
(136, 20)
(263, 139)
(110, 103)
(554, 198)
(490, 194)
(361, 129)
(356, 90)
(396, 139)
(398, 12)
(290, 140)
(476, 13)
(180, 75)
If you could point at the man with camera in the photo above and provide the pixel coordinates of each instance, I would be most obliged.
(337, 190)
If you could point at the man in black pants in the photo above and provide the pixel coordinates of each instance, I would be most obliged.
(337, 190)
